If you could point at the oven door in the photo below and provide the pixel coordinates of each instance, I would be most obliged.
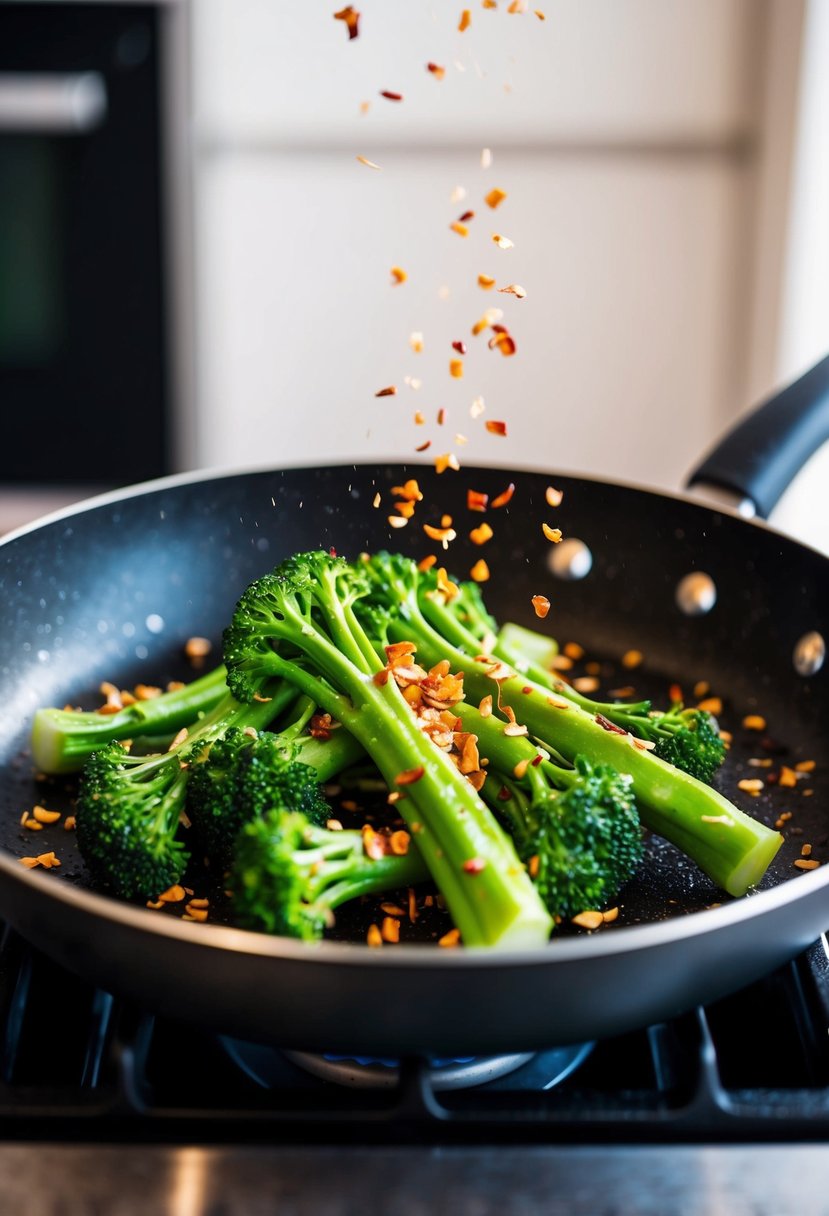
(83, 381)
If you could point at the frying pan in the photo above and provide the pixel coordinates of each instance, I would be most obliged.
(111, 590)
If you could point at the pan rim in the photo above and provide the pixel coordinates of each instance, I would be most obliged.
(626, 939)
(222, 472)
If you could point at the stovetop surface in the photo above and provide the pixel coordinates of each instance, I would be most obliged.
(105, 1108)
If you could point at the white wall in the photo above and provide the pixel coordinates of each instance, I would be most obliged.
(625, 143)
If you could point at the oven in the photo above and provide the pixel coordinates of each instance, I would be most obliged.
(88, 383)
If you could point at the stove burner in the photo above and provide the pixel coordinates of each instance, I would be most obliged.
(270, 1068)
(368, 1072)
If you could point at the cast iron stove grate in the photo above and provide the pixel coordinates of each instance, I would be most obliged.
(80, 1064)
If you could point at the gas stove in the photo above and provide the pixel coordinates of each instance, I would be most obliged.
(101, 1100)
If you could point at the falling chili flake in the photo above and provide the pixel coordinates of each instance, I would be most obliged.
(441, 416)
(541, 16)
(365, 106)
(447, 461)
(485, 282)
(496, 428)
(552, 534)
(481, 534)
(490, 317)
(389, 96)
(486, 158)
(389, 391)
(465, 21)
(553, 497)
(466, 217)
(503, 341)
(437, 71)
(518, 6)
(419, 418)
(504, 497)
(444, 535)
(489, 3)
(514, 289)
(456, 368)
(368, 163)
(477, 407)
(460, 347)
(422, 447)
(352, 20)
(541, 605)
(495, 197)
(503, 242)
(476, 500)
(416, 342)
(460, 228)
(398, 275)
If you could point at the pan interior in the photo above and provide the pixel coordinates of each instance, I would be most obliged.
(113, 592)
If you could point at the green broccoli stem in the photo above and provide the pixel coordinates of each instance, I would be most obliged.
(330, 756)
(733, 849)
(63, 739)
(474, 864)
(632, 716)
(339, 870)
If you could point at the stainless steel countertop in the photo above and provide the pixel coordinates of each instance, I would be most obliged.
(115, 1180)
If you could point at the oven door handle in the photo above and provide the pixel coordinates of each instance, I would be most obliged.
(52, 103)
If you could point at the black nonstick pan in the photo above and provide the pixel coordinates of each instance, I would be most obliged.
(111, 590)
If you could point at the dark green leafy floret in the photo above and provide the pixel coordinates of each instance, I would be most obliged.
(127, 822)
(240, 777)
(289, 876)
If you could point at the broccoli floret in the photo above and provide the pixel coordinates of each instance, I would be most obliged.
(127, 822)
(299, 624)
(129, 807)
(733, 849)
(64, 739)
(245, 774)
(576, 828)
(288, 876)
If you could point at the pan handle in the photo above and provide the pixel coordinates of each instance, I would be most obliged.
(760, 456)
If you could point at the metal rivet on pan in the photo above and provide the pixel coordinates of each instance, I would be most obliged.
(696, 593)
(570, 559)
(809, 654)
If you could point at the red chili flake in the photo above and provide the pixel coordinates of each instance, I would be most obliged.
(480, 571)
(389, 391)
(606, 724)
(496, 428)
(476, 500)
(409, 776)
(503, 794)
(426, 563)
(465, 21)
(675, 693)
(436, 70)
(535, 763)
(495, 198)
(398, 275)
(351, 18)
(466, 217)
(541, 605)
(541, 16)
(502, 341)
(391, 96)
(504, 497)
(424, 446)
(474, 865)
(460, 228)
(456, 369)
(486, 282)
(480, 536)
(441, 416)
(460, 347)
